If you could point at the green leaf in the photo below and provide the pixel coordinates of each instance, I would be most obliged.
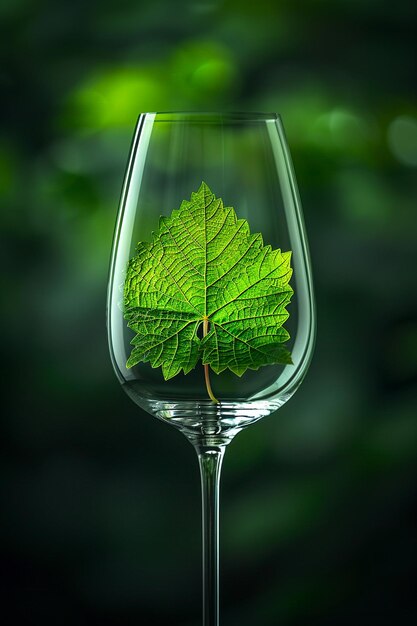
(204, 267)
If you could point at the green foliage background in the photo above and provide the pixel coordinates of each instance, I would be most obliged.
(101, 502)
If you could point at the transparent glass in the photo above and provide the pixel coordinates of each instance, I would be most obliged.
(244, 158)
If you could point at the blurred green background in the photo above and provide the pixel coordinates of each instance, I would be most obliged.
(101, 512)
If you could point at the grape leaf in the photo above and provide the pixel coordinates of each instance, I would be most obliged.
(205, 268)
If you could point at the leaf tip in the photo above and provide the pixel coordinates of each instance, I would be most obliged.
(205, 190)
(130, 363)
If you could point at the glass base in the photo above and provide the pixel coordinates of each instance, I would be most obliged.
(206, 423)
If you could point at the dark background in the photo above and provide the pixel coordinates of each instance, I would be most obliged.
(100, 502)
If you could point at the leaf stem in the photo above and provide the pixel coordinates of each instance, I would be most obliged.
(206, 366)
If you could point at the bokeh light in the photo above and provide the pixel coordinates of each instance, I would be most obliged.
(402, 139)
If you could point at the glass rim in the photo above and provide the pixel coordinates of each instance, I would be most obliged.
(227, 116)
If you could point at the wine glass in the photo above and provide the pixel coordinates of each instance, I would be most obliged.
(211, 315)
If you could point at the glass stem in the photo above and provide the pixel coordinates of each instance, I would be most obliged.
(210, 459)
